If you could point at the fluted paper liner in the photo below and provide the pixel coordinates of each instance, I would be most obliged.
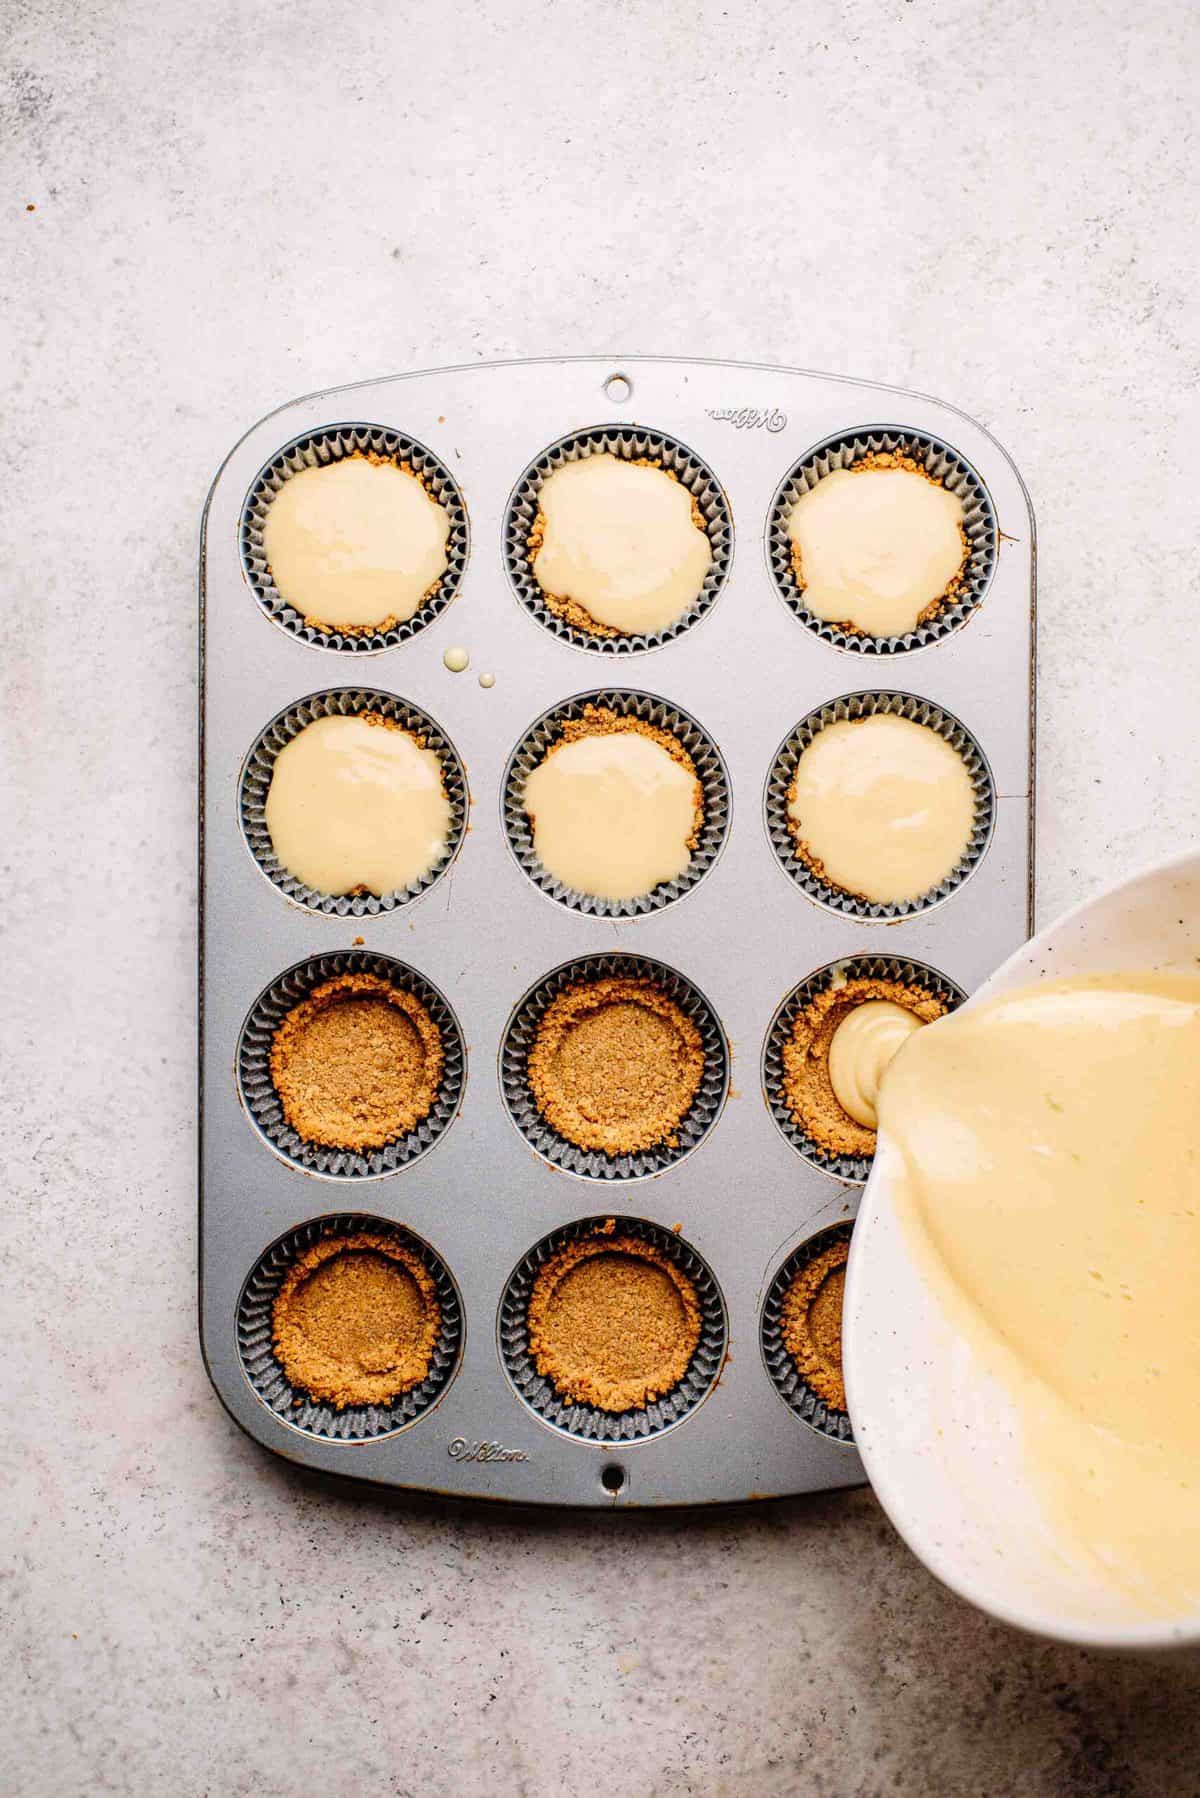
(945, 465)
(345, 702)
(587, 1422)
(792, 1388)
(293, 1406)
(631, 446)
(865, 705)
(711, 772)
(317, 449)
(262, 1103)
(593, 1164)
(853, 1168)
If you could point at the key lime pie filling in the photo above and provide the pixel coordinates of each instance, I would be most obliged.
(879, 547)
(837, 1052)
(616, 806)
(881, 807)
(613, 1322)
(356, 1320)
(1049, 1180)
(357, 804)
(618, 547)
(615, 1065)
(356, 545)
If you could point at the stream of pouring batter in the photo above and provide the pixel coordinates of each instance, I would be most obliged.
(1051, 1145)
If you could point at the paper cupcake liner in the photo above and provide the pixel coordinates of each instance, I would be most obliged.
(711, 772)
(945, 465)
(630, 445)
(345, 702)
(587, 1423)
(792, 1388)
(865, 705)
(593, 1164)
(316, 449)
(293, 1406)
(853, 1168)
(261, 1101)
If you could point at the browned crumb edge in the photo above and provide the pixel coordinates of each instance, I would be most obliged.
(952, 589)
(571, 610)
(357, 1063)
(807, 1088)
(602, 721)
(391, 621)
(615, 1065)
(811, 1324)
(356, 1319)
(619, 1319)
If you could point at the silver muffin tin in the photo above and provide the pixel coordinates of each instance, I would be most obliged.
(480, 1197)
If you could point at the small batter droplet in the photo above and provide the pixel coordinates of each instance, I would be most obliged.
(456, 659)
(487, 680)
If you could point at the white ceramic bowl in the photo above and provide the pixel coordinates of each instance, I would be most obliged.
(937, 1433)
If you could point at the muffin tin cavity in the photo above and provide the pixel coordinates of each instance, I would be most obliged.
(854, 1168)
(255, 783)
(865, 705)
(630, 445)
(945, 465)
(587, 1423)
(297, 1408)
(711, 772)
(521, 1033)
(317, 449)
(261, 1101)
(785, 1376)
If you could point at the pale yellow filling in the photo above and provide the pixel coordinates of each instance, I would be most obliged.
(353, 804)
(620, 540)
(885, 805)
(1051, 1144)
(612, 814)
(356, 543)
(876, 547)
(861, 1048)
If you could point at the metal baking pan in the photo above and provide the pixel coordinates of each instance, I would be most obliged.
(748, 671)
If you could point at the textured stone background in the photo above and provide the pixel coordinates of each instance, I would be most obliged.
(992, 202)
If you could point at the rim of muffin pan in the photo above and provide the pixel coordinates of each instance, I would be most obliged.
(290, 1404)
(866, 705)
(319, 448)
(901, 968)
(255, 781)
(588, 1423)
(711, 771)
(945, 464)
(520, 1034)
(630, 444)
(261, 1101)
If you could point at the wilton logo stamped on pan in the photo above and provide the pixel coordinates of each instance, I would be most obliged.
(462, 1450)
(750, 418)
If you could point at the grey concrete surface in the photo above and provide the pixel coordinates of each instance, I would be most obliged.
(232, 204)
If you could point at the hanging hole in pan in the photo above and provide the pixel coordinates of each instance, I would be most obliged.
(613, 1478)
(618, 388)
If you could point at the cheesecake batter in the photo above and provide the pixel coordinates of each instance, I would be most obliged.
(621, 542)
(1051, 1145)
(862, 1046)
(357, 803)
(875, 547)
(615, 805)
(355, 545)
(881, 807)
